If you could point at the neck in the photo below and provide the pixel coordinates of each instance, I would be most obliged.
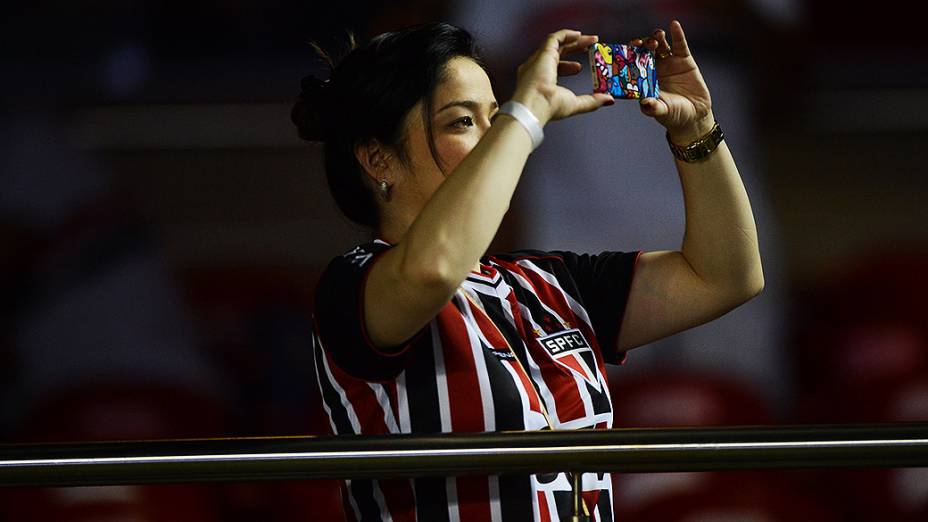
(391, 234)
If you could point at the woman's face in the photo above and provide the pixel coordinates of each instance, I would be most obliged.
(462, 107)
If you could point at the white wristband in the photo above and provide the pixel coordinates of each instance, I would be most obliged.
(526, 118)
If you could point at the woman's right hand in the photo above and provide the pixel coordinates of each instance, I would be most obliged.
(536, 84)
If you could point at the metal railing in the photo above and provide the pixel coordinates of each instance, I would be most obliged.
(620, 450)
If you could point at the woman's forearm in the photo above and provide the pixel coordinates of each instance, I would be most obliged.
(456, 226)
(720, 241)
(414, 280)
(449, 234)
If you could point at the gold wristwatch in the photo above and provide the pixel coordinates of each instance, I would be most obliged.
(699, 149)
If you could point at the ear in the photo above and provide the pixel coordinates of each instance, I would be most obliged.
(375, 160)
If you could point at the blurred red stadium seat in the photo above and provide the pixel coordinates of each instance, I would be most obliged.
(119, 410)
(149, 503)
(862, 353)
(864, 326)
(736, 497)
(670, 399)
(115, 409)
(677, 399)
(884, 494)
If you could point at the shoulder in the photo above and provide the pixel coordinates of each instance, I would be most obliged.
(350, 266)
(362, 254)
(357, 258)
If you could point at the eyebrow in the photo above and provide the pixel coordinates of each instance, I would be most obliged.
(470, 104)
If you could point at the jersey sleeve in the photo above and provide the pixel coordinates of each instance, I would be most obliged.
(604, 281)
(339, 318)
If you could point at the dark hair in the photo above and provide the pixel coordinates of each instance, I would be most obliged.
(368, 94)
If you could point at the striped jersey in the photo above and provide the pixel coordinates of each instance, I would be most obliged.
(520, 346)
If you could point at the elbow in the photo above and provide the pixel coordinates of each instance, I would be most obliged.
(751, 282)
(736, 296)
(742, 285)
(756, 280)
(750, 286)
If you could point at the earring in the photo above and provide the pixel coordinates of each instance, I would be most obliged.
(384, 189)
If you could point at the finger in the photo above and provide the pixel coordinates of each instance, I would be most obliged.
(653, 107)
(591, 102)
(568, 68)
(557, 39)
(648, 42)
(680, 46)
(580, 45)
(662, 45)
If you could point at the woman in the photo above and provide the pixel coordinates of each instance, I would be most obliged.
(419, 332)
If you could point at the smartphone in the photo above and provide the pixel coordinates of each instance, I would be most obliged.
(624, 71)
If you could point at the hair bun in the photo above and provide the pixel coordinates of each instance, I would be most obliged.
(307, 113)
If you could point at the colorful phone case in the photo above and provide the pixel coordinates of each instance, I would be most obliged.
(624, 71)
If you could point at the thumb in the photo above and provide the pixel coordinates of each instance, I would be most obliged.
(653, 107)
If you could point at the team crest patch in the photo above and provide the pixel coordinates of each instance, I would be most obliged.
(570, 349)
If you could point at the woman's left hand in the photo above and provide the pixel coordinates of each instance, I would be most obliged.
(684, 106)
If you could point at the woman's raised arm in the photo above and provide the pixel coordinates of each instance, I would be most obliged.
(718, 266)
(411, 282)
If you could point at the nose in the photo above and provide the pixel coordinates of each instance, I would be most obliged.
(485, 123)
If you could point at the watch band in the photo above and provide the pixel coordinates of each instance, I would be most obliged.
(524, 116)
(699, 149)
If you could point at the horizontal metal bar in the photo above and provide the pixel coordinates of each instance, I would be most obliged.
(460, 452)
(623, 450)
